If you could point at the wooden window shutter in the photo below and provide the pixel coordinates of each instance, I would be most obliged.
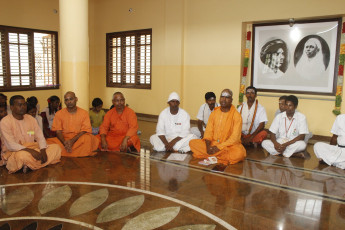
(45, 59)
(2, 59)
(129, 59)
(29, 59)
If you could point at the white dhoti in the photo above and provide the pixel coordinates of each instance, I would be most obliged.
(181, 146)
(331, 154)
(307, 137)
(196, 131)
(296, 147)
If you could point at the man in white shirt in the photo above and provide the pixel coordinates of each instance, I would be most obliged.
(172, 132)
(288, 131)
(254, 119)
(281, 105)
(282, 108)
(204, 113)
(333, 153)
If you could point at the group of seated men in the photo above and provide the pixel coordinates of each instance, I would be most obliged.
(24, 146)
(224, 130)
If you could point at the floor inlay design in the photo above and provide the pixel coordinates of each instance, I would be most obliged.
(134, 209)
(54, 199)
(17, 200)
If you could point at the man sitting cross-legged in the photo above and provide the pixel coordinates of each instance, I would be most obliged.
(23, 143)
(254, 119)
(288, 131)
(73, 130)
(222, 137)
(172, 132)
(333, 153)
(118, 131)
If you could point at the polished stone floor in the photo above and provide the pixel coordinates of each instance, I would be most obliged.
(146, 191)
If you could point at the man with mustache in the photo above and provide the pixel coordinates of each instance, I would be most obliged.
(222, 137)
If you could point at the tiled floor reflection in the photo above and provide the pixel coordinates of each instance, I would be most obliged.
(146, 191)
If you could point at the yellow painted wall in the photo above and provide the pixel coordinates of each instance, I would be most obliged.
(35, 14)
(197, 48)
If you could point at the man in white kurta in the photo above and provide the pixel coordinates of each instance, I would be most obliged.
(254, 118)
(204, 113)
(172, 132)
(288, 131)
(333, 153)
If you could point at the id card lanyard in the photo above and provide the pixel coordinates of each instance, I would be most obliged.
(286, 131)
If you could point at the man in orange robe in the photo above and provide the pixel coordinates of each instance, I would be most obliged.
(73, 130)
(222, 137)
(23, 143)
(118, 131)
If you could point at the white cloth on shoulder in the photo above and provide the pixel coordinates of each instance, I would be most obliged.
(247, 117)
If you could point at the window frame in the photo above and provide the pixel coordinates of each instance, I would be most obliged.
(109, 64)
(32, 73)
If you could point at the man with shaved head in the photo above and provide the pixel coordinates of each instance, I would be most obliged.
(222, 137)
(73, 130)
(118, 131)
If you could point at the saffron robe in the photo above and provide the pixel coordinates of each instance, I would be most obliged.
(224, 131)
(116, 126)
(71, 124)
(19, 134)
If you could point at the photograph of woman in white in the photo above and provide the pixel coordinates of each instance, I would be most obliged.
(311, 57)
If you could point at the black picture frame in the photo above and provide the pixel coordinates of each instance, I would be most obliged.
(300, 57)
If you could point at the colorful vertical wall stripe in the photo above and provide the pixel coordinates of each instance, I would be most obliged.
(340, 79)
(245, 67)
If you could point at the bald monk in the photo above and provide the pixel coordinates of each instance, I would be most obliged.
(73, 130)
(118, 131)
(222, 137)
(23, 143)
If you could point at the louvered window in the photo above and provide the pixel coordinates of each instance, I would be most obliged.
(28, 59)
(129, 59)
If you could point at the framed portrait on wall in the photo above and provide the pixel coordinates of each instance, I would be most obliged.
(296, 57)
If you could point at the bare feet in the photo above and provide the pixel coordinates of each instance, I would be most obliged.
(299, 154)
(321, 161)
(25, 169)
